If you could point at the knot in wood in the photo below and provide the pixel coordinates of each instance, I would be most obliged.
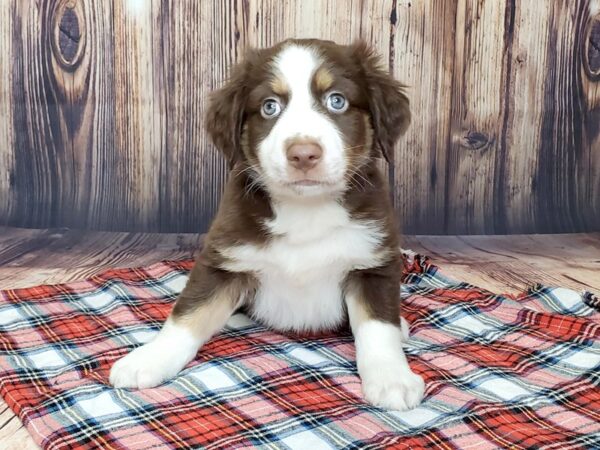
(475, 140)
(592, 56)
(68, 33)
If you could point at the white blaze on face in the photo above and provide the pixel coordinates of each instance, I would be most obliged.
(300, 118)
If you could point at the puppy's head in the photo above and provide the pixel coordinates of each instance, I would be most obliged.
(305, 115)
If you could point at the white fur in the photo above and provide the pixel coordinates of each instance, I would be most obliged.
(301, 269)
(387, 379)
(160, 359)
(300, 119)
(314, 245)
(405, 329)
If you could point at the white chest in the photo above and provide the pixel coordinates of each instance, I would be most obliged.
(301, 270)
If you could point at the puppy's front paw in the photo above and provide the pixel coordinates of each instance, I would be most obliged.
(405, 329)
(399, 391)
(146, 366)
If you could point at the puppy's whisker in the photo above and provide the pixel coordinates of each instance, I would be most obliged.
(350, 179)
(254, 186)
(248, 169)
(256, 180)
(354, 175)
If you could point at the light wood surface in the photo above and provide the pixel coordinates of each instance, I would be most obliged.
(102, 105)
(499, 263)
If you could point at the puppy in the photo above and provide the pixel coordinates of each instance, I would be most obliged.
(305, 236)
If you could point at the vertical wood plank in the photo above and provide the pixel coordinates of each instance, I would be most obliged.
(589, 168)
(477, 114)
(6, 128)
(101, 176)
(84, 89)
(424, 55)
(563, 178)
(60, 120)
(198, 53)
(517, 160)
(271, 21)
(139, 109)
(32, 121)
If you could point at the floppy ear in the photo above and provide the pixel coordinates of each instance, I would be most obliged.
(388, 105)
(224, 118)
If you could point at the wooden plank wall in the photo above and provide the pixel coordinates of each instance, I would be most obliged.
(102, 102)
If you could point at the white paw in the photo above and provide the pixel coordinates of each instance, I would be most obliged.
(400, 392)
(404, 328)
(147, 366)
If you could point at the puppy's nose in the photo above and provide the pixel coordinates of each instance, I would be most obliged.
(304, 156)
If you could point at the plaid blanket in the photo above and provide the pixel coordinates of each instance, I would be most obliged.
(506, 372)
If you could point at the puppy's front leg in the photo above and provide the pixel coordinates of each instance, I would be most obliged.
(201, 310)
(387, 380)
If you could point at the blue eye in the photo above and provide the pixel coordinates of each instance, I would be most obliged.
(336, 103)
(270, 108)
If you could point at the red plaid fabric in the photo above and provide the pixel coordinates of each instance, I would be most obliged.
(500, 372)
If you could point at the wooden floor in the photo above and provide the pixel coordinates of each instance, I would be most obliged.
(498, 263)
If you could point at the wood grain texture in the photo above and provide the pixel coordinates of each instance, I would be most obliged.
(476, 116)
(197, 52)
(13, 435)
(565, 150)
(58, 255)
(31, 257)
(520, 143)
(499, 263)
(424, 51)
(103, 103)
(6, 123)
(589, 166)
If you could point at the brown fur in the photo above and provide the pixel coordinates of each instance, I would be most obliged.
(378, 114)
(388, 105)
(323, 79)
(279, 86)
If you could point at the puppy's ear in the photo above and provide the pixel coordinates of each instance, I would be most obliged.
(224, 118)
(388, 105)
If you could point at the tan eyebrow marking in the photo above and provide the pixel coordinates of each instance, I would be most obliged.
(279, 85)
(323, 79)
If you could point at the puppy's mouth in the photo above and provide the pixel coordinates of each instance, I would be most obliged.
(307, 182)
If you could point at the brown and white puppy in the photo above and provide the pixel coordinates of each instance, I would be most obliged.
(305, 236)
